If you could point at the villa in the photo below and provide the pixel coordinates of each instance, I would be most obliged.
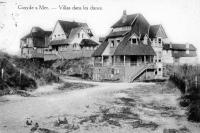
(135, 50)
(70, 40)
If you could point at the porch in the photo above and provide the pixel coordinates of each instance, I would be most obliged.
(126, 60)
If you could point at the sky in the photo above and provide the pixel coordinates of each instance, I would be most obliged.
(180, 18)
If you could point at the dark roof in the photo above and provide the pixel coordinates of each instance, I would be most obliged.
(128, 22)
(126, 48)
(100, 49)
(68, 26)
(88, 43)
(117, 34)
(179, 54)
(59, 42)
(140, 27)
(153, 30)
(178, 47)
(37, 32)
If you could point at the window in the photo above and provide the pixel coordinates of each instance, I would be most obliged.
(159, 69)
(75, 46)
(82, 35)
(159, 60)
(113, 71)
(78, 35)
(112, 44)
(54, 35)
(58, 34)
(155, 72)
(159, 40)
(133, 40)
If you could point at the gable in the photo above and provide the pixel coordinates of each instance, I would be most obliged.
(129, 20)
(140, 26)
(58, 32)
(77, 35)
(161, 33)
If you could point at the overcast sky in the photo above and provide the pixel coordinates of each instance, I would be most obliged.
(180, 18)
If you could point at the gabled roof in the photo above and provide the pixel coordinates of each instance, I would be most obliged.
(184, 54)
(154, 30)
(37, 32)
(100, 49)
(88, 43)
(128, 22)
(178, 47)
(126, 48)
(117, 34)
(67, 26)
(140, 27)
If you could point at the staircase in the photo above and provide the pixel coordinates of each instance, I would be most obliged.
(139, 72)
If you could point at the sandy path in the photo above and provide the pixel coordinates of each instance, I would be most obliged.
(81, 103)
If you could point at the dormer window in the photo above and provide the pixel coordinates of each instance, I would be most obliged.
(112, 44)
(133, 40)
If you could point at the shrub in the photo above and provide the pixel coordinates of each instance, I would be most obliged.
(191, 99)
(179, 82)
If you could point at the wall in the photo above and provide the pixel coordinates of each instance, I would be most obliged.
(167, 57)
(120, 73)
(77, 39)
(58, 33)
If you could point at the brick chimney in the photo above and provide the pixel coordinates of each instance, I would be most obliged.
(124, 16)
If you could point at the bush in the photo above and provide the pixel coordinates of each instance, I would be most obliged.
(194, 111)
(191, 98)
(179, 82)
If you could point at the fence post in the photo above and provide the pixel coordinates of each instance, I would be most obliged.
(196, 82)
(186, 86)
(20, 78)
(2, 73)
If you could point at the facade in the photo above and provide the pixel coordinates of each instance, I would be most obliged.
(136, 50)
(158, 36)
(70, 40)
(33, 44)
(126, 54)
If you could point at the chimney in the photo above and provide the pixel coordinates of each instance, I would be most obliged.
(124, 16)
